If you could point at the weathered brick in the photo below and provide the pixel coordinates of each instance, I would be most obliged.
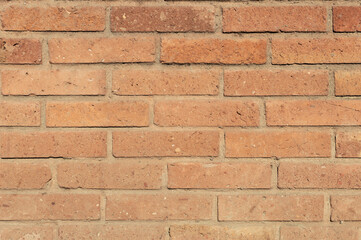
(102, 50)
(212, 50)
(348, 144)
(346, 18)
(278, 144)
(206, 113)
(52, 144)
(348, 83)
(162, 19)
(345, 208)
(19, 113)
(219, 175)
(165, 82)
(53, 82)
(27, 232)
(49, 207)
(93, 114)
(270, 208)
(18, 18)
(165, 143)
(275, 19)
(318, 233)
(110, 175)
(20, 51)
(275, 82)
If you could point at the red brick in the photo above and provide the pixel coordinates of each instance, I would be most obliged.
(308, 175)
(345, 208)
(275, 82)
(347, 83)
(165, 143)
(346, 18)
(212, 50)
(110, 175)
(316, 50)
(49, 207)
(206, 113)
(97, 114)
(53, 82)
(102, 50)
(27, 232)
(159, 207)
(348, 144)
(52, 144)
(53, 18)
(162, 19)
(278, 144)
(318, 233)
(165, 82)
(219, 175)
(275, 19)
(313, 112)
(20, 51)
(19, 114)
(270, 208)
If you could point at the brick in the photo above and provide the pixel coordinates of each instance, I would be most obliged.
(275, 19)
(275, 83)
(27, 232)
(19, 114)
(112, 231)
(110, 175)
(53, 19)
(53, 82)
(346, 18)
(278, 144)
(165, 82)
(24, 175)
(318, 233)
(159, 207)
(162, 19)
(313, 112)
(316, 50)
(205, 232)
(345, 208)
(347, 83)
(49, 207)
(102, 50)
(270, 208)
(308, 175)
(219, 175)
(348, 144)
(97, 114)
(165, 143)
(206, 113)
(212, 50)
(52, 144)
(20, 51)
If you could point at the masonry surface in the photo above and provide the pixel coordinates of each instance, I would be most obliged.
(180, 120)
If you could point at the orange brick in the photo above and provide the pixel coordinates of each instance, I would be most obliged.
(270, 208)
(162, 19)
(110, 175)
(24, 175)
(19, 114)
(53, 82)
(206, 113)
(159, 207)
(346, 18)
(93, 114)
(313, 112)
(165, 82)
(20, 51)
(165, 143)
(278, 144)
(348, 83)
(345, 208)
(318, 233)
(348, 144)
(275, 82)
(212, 50)
(27, 232)
(308, 175)
(316, 50)
(49, 207)
(275, 19)
(53, 19)
(219, 175)
(52, 144)
(102, 50)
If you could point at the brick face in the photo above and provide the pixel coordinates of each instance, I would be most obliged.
(19, 114)
(345, 208)
(346, 19)
(313, 233)
(20, 51)
(347, 83)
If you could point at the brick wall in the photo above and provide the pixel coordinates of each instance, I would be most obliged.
(180, 120)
